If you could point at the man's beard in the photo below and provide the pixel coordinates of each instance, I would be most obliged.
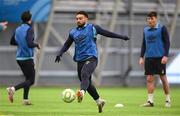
(80, 25)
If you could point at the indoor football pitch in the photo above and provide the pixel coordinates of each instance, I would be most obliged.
(47, 102)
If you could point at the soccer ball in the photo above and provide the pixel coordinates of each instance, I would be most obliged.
(68, 95)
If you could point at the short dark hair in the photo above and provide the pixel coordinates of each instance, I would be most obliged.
(152, 14)
(83, 13)
(26, 16)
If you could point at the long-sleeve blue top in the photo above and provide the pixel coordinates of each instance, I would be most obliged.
(152, 52)
(76, 35)
(24, 39)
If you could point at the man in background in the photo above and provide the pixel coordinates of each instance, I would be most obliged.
(23, 38)
(154, 56)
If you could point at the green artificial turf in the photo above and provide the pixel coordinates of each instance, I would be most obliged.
(47, 102)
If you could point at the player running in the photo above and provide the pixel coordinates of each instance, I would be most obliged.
(24, 40)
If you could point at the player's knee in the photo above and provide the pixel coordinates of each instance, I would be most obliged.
(163, 81)
(149, 80)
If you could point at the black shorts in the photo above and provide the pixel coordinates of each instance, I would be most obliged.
(154, 66)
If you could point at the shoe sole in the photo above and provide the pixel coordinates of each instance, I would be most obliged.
(148, 104)
(27, 104)
(167, 106)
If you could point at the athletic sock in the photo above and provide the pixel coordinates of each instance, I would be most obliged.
(82, 91)
(26, 100)
(98, 100)
(150, 98)
(168, 98)
(13, 89)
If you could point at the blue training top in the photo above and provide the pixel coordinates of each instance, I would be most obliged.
(85, 46)
(155, 42)
(85, 41)
(23, 38)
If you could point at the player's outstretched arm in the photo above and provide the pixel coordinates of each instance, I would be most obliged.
(65, 47)
(107, 33)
